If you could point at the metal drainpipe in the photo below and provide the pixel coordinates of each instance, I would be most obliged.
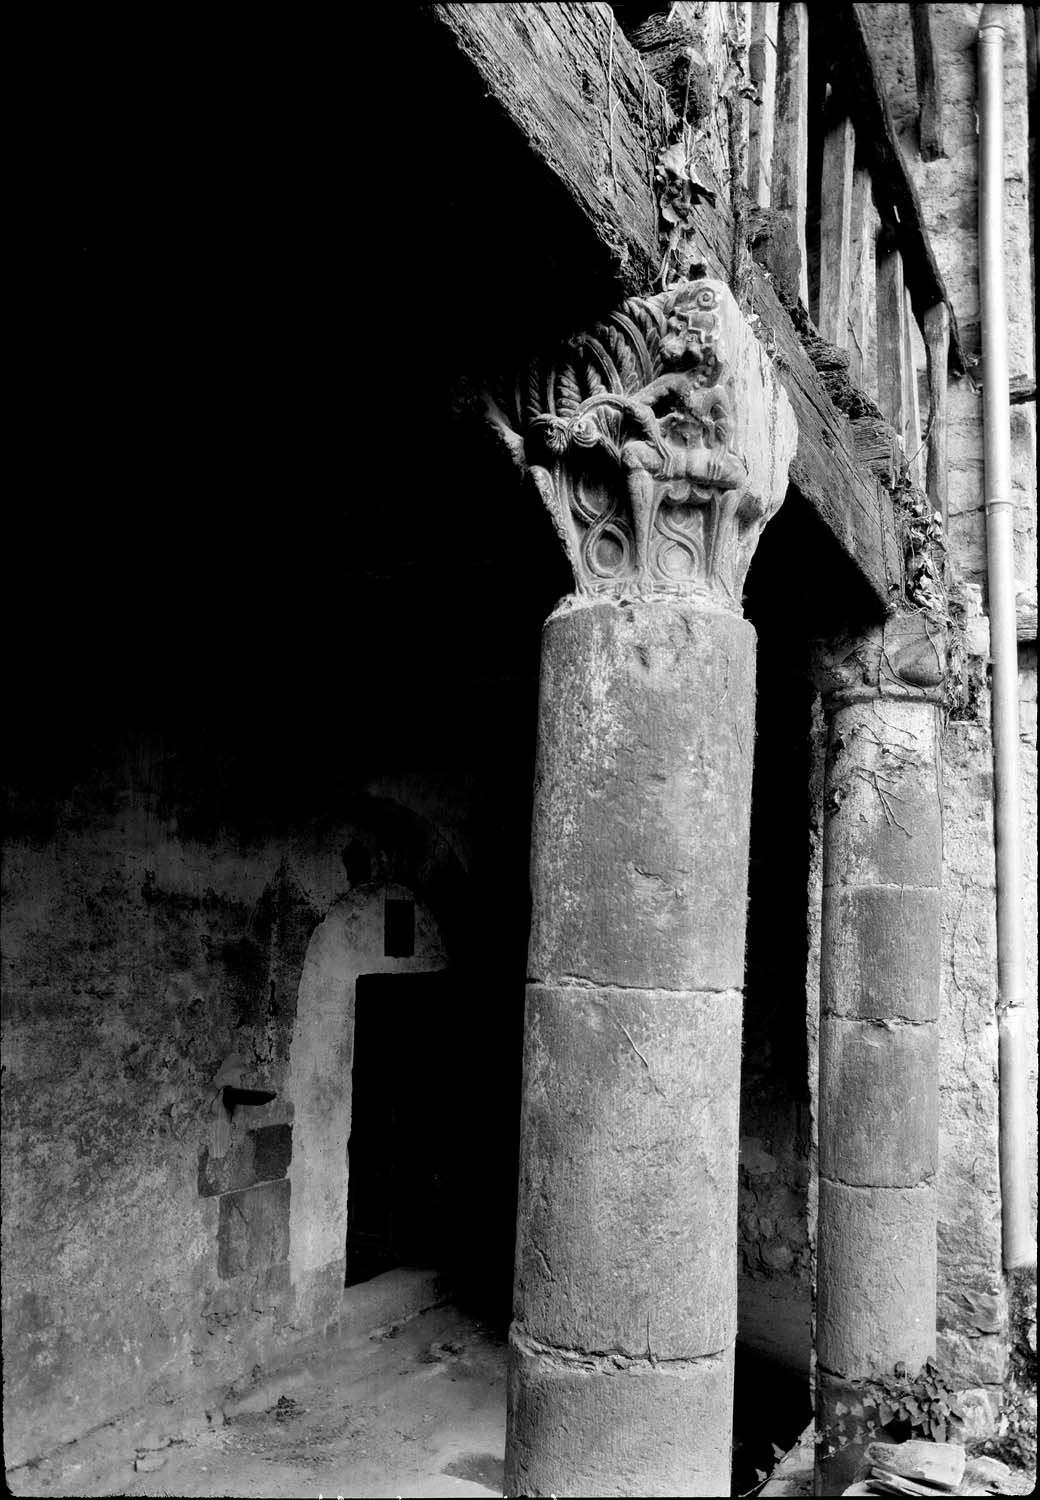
(1019, 1244)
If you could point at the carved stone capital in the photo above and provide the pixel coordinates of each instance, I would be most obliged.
(905, 657)
(660, 442)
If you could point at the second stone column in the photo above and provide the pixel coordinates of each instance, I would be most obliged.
(879, 1030)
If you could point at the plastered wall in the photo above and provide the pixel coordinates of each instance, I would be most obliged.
(148, 955)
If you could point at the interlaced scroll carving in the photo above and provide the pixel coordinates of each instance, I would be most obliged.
(632, 437)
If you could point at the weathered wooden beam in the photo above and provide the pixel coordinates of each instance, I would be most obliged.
(937, 343)
(546, 68)
(738, 101)
(842, 36)
(912, 405)
(666, 40)
(839, 152)
(791, 143)
(762, 70)
(929, 84)
(862, 273)
(891, 340)
(877, 448)
(690, 49)
(570, 81)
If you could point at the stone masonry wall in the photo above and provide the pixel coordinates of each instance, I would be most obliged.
(135, 962)
(973, 1309)
(144, 945)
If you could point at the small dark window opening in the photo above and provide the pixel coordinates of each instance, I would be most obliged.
(399, 928)
(357, 861)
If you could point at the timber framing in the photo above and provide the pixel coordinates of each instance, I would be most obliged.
(569, 80)
(929, 84)
(902, 218)
(571, 83)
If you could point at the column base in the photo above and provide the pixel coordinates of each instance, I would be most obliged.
(842, 1433)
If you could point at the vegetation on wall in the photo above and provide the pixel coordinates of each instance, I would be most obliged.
(924, 1404)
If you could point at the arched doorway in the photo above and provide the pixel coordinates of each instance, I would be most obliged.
(349, 946)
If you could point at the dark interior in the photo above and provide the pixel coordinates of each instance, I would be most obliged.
(403, 1137)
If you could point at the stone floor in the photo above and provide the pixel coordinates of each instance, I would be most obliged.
(419, 1410)
(416, 1410)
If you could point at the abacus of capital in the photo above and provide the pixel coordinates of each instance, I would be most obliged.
(660, 442)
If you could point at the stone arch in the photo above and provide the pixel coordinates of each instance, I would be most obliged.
(348, 943)
(398, 844)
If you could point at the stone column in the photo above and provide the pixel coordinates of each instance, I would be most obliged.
(664, 441)
(879, 1002)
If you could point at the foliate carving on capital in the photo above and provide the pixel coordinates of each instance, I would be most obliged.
(908, 656)
(632, 435)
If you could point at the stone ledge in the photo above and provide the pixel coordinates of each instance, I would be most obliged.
(393, 1297)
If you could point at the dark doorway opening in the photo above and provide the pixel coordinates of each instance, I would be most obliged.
(399, 1151)
(796, 590)
(771, 1404)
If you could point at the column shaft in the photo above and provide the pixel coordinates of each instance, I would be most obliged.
(625, 1294)
(878, 1091)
